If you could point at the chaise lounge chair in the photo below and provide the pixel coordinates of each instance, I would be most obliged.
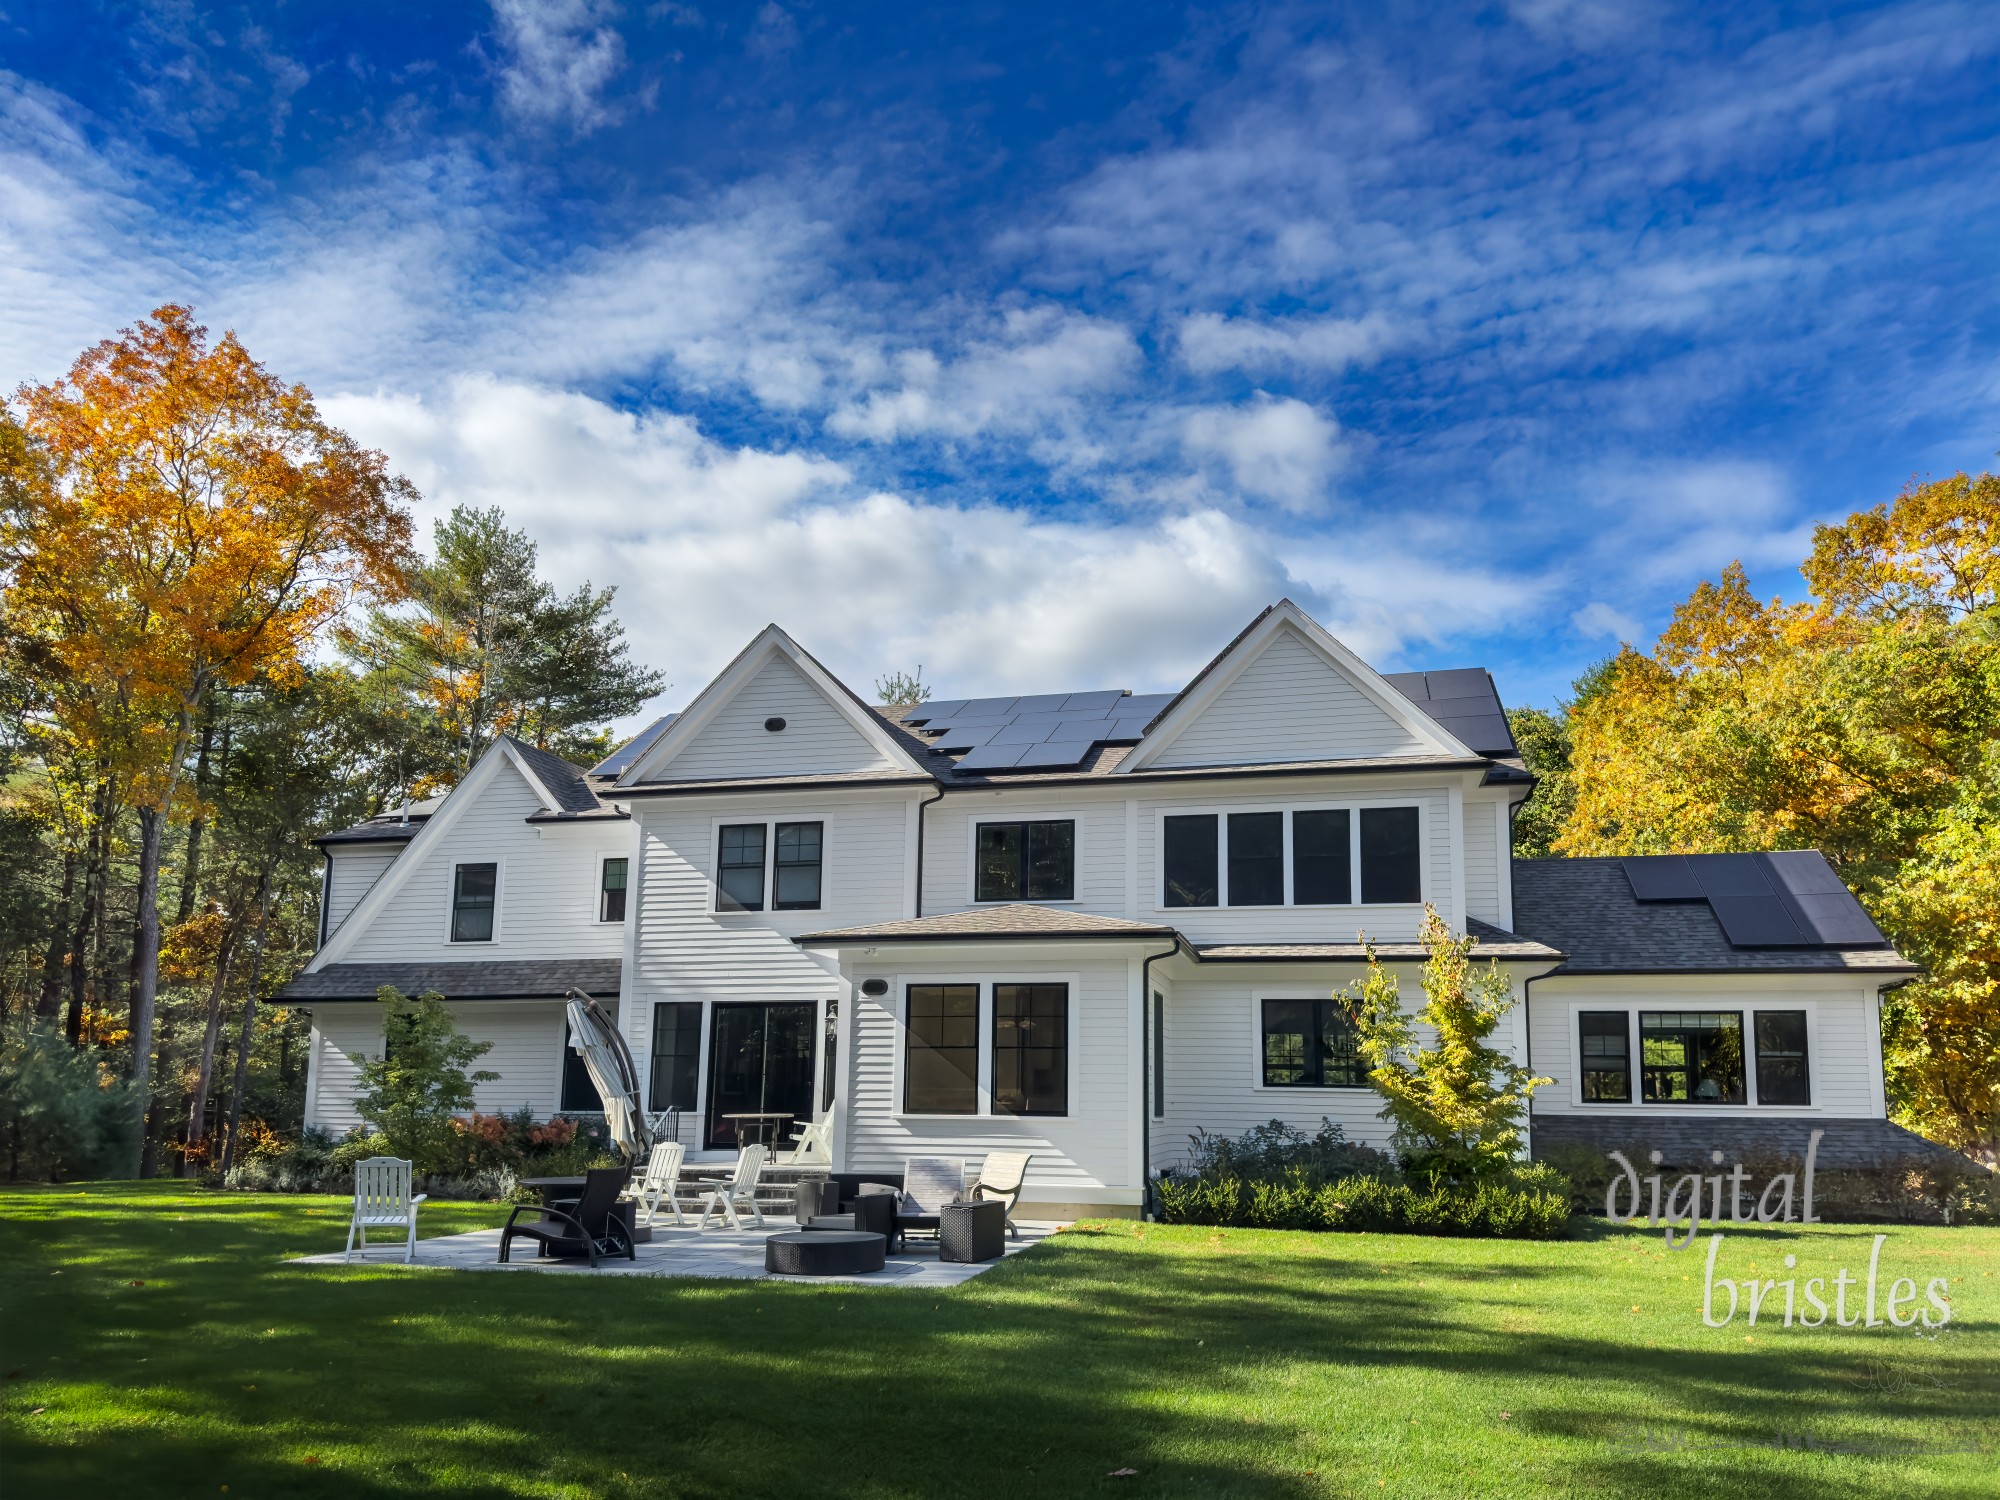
(588, 1226)
(1000, 1179)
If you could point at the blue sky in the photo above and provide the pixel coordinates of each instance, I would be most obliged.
(1043, 345)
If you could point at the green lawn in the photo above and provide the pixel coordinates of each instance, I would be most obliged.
(155, 1344)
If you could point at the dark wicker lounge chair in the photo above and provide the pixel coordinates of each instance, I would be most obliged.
(586, 1226)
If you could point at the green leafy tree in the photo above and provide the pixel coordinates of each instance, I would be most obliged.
(411, 1093)
(1457, 1103)
(64, 1111)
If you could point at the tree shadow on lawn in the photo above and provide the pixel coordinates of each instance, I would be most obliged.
(1258, 1373)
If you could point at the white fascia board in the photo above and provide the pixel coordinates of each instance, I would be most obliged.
(1287, 615)
(436, 827)
(771, 641)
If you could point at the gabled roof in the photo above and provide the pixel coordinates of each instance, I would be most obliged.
(771, 642)
(1214, 679)
(566, 785)
(1588, 909)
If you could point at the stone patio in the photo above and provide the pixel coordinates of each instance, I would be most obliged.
(733, 1254)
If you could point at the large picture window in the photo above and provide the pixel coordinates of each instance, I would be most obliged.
(739, 868)
(1605, 1041)
(1257, 859)
(1691, 1057)
(1781, 1058)
(1025, 861)
(676, 1055)
(611, 891)
(1311, 1044)
(795, 876)
(473, 891)
(1031, 1049)
(941, 1061)
(1192, 847)
(1391, 862)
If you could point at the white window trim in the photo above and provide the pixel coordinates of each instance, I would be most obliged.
(972, 822)
(1746, 1005)
(1426, 878)
(597, 916)
(1303, 1090)
(770, 822)
(899, 994)
(499, 863)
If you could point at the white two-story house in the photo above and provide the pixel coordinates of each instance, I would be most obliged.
(1083, 923)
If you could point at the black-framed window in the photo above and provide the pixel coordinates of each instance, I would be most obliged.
(1605, 1041)
(1691, 1057)
(611, 891)
(1191, 847)
(796, 869)
(1782, 1075)
(1025, 861)
(1312, 1044)
(676, 1071)
(739, 868)
(1257, 859)
(1322, 858)
(473, 889)
(1391, 863)
(941, 1060)
(1031, 1049)
(1159, 1056)
(579, 1094)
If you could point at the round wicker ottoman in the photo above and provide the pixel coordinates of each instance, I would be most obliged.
(824, 1252)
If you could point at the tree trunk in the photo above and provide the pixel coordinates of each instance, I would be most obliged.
(146, 963)
(249, 1021)
(197, 825)
(50, 1000)
(197, 1118)
(96, 859)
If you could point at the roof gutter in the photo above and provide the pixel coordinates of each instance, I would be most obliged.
(1146, 1207)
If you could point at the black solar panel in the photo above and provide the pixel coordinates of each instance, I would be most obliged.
(1043, 731)
(992, 757)
(1463, 702)
(1101, 702)
(1789, 899)
(618, 760)
(1751, 921)
(1053, 755)
(1661, 877)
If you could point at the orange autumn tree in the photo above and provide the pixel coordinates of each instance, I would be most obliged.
(191, 522)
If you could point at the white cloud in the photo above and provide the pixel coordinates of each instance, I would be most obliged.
(1276, 449)
(561, 54)
(1598, 619)
(1210, 342)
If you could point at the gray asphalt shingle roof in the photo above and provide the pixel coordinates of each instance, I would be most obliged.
(498, 979)
(1586, 908)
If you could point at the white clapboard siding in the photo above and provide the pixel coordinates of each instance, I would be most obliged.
(1284, 924)
(548, 888)
(816, 738)
(1841, 1016)
(1214, 1064)
(351, 870)
(1099, 815)
(1482, 863)
(1290, 704)
(526, 1051)
(1082, 1158)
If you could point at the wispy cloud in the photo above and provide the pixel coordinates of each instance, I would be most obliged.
(559, 57)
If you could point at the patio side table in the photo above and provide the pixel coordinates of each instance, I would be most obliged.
(824, 1252)
(971, 1232)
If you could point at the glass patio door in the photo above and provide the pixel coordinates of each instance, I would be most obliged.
(760, 1062)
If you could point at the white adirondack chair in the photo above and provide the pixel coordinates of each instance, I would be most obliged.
(812, 1147)
(382, 1200)
(658, 1187)
(741, 1188)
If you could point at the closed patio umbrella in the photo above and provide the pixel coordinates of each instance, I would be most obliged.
(609, 1062)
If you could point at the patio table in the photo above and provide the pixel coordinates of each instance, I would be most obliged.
(761, 1127)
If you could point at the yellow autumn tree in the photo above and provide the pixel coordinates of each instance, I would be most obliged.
(189, 521)
(1863, 721)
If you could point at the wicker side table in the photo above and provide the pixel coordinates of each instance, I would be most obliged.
(971, 1232)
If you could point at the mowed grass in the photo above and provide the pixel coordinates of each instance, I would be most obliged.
(155, 1343)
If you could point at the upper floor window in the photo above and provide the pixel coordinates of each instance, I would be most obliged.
(745, 880)
(611, 891)
(473, 890)
(1025, 861)
(1307, 858)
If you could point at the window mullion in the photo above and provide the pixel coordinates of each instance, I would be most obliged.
(1285, 856)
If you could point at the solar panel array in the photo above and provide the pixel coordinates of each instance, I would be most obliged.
(616, 762)
(1790, 899)
(1041, 732)
(1465, 702)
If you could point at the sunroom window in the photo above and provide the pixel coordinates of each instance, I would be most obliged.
(1691, 1057)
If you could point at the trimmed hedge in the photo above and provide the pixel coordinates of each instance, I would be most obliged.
(1297, 1200)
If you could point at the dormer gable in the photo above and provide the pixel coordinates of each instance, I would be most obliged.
(773, 711)
(1286, 691)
